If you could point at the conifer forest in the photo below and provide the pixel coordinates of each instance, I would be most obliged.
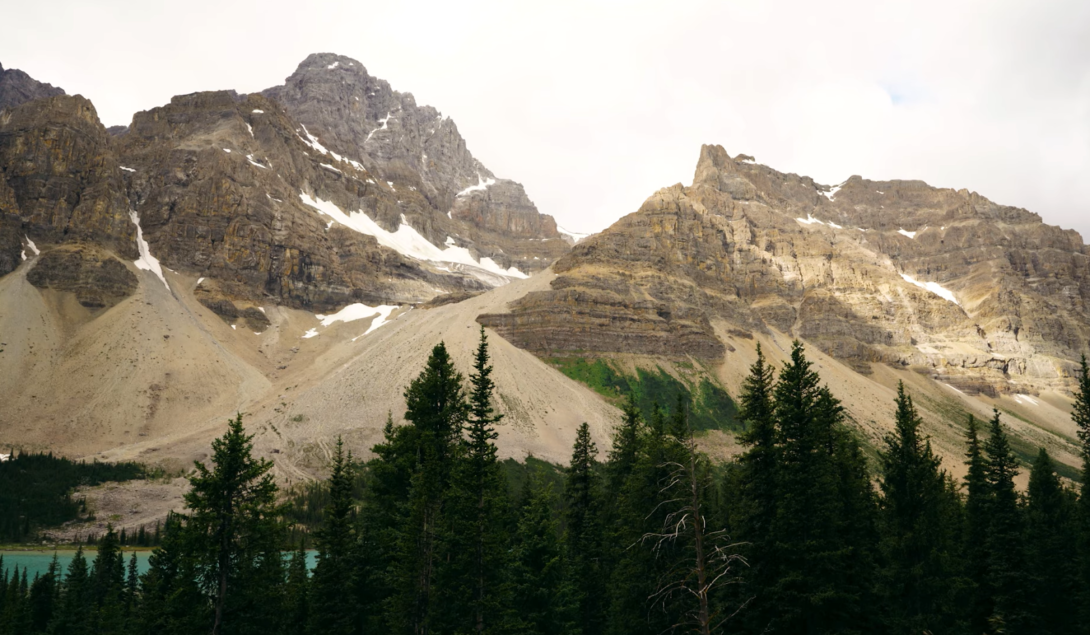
(803, 533)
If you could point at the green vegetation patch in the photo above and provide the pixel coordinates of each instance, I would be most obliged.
(710, 407)
(36, 491)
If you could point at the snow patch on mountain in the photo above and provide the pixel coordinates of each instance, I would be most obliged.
(147, 262)
(409, 242)
(933, 287)
(481, 186)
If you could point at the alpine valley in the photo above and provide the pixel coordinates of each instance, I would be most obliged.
(295, 254)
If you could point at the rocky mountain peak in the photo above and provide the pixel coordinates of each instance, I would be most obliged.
(16, 87)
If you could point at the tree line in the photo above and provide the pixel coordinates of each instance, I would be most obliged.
(796, 535)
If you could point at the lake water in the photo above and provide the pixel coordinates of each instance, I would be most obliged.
(37, 562)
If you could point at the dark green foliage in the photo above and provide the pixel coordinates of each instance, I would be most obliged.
(583, 524)
(918, 522)
(332, 602)
(1051, 530)
(472, 590)
(977, 504)
(1007, 571)
(1081, 416)
(235, 529)
(35, 490)
(544, 599)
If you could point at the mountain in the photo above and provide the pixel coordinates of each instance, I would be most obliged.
(980, 298)
(16, 87)
(294, 254)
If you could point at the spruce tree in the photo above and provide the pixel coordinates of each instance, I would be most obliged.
(172, 603)
(583, 509)
(43, 596)
(76, 604)
(1051, 529)
(296, 591)
(543, 599)
(977, 505)
(754, 506)
(1081, 416)
(918, 553)
(436, 407)
(472, 593)
(235, 523)
(107, 585)
(332, 602)
(1005, 539)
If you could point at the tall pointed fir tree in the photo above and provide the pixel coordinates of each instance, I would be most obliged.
(918, 530)
(1005, 538)
(1051, 529)
(754, 507)
(472, 594)
(582, 494)
(543, 597)
(978, 502)
(172, 602)
(822, 516)
(1081, 416)
(107, 585)
(235, 523)
(77, 601)
(332, 600)
(296, 616)
(436, 407)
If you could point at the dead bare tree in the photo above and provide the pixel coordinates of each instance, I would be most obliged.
(701, 560)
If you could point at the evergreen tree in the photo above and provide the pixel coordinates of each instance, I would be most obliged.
(43, 596)
(756, 488)
(332, 600)
(235, 523)
(543, 597)
(977, 504)
(76, 600)
(436, 407)
(172, 603)
(917, 533)
(583, 510)
(296, 590)
(107, 585)
(820, 496)
(1006, 555)
(472, 590)
(1081, 416)
(1050, 531)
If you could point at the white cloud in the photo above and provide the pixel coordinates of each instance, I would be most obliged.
(595, 105)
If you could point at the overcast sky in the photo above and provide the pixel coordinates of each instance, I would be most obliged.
(595, 105)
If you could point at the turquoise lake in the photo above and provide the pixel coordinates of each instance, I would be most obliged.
(37, 562)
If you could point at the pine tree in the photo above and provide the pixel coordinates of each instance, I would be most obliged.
(757, 493)
(472, 593)
(76, 599)
(172, 603)
(332, 598)
(917, 544)
(436, 407)
(1005, 539)
(296, 591)
(1050, 530)
(43, 596)
(543, 597)
(824, 515)
(583, 509)
(107, 585)
(235, 522)
(977, 505)
(1081, 416)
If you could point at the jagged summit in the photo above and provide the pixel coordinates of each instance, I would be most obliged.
(16, 87)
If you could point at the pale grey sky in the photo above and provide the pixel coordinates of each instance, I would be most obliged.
(595, 105)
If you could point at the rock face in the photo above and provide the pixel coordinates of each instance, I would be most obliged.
(17, 88)
(239, 189)
(363, 119)
(981, 296)
(59, 180)
(96, 278)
